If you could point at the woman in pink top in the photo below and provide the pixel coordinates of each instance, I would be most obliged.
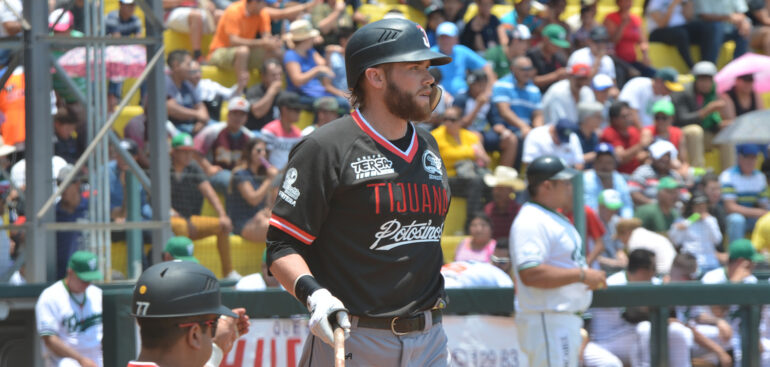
(480, 245)
(626, 32)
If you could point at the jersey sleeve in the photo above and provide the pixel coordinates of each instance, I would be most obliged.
(308, 185)
(45, 313)
(529, 245)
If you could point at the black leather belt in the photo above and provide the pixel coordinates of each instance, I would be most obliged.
(400, 325)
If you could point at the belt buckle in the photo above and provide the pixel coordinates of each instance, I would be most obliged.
(393, 327)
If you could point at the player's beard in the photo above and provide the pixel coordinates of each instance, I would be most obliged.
(404, 104)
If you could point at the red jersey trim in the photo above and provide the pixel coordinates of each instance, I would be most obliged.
(291, 229)
(408, 155)
(141, 364)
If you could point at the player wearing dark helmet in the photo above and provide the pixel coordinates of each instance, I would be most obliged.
(355, 232)
(178, 308)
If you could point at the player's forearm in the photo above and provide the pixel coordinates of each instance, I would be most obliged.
(58, 348)
(547, 276)
(287, 269)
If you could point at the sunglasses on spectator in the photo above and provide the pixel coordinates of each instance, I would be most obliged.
(212, 324)
(500, 260)
(194, 72)
(453, 119)
(528, 68)
(661, 117)
(747, 78)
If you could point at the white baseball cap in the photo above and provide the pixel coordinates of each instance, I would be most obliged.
(602, 82)
(522, 32)
(661, 147)
(238, 104)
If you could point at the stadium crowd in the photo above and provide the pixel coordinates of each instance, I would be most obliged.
(532, 81)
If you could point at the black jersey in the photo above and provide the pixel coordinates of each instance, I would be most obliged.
(370, 214)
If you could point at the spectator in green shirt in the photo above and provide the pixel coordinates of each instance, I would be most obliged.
(501, 56)
(661, 214)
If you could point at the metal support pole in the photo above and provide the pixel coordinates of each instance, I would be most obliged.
(659, 337)
(750, 335)
(39, 150)
(578, 213)
(133, 236)
(160, 165)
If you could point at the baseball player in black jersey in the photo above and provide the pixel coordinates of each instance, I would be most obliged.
(355, 232)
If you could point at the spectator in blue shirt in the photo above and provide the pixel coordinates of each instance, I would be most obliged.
(123, 22)
(517, 104)
(72, 207)
(603, 176)
(744, 192)
(185, 109)
(464, 60)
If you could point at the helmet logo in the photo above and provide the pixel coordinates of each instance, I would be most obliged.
(424, 36)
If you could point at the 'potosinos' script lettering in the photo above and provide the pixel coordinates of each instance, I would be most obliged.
(394, 234)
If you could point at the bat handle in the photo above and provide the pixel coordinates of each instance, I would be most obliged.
(339, 347)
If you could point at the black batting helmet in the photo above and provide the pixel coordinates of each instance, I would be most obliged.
(177, 289)
(385, 41)
(548, 167)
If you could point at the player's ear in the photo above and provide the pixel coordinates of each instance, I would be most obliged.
(375, 76)
(194, 337)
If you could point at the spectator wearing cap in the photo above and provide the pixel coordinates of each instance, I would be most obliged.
(613, 258)
(502, 56)
(65, 144)
(670, 22)
(663, 113)
(605, 92)
(562, 98)
(726, 21)
(185, 109)
(630, 144)
(282, 134)
(123, 22)
(326, 110)
(502, 210)
(69, 315)
(179, 248)
(188, 188)
(590, 118)
(697, 233)
(548, 57)
(626, 33)
(604, 176)
(263, 96)
(557, 139)
(595, 53)
(71, 207)
(228, 145)
(249, 197)
(644, 181)
(481, 32)
(306, 71)
(699, 105)
(518, 109)
(659, 215)
(464, 60)
(744, 192)
(641, 93)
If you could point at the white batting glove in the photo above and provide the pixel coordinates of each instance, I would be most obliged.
(322, 306)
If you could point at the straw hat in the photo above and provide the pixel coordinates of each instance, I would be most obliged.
(504, 176)
(300, 30)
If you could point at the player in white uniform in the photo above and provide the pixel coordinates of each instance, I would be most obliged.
(554, 283)
(69, 316)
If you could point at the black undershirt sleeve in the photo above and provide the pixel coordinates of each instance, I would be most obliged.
(280, 244)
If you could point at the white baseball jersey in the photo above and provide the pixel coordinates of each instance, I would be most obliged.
(77, 322)
(465, 274)
(542, 236)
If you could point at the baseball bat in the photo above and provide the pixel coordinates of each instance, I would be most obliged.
(339, 347)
